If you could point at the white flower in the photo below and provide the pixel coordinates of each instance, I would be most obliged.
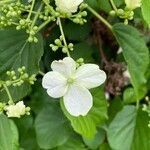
(132, 4)
(68, 6)
(16, 110)
(71, 83)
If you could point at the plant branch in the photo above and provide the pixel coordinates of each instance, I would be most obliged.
(100, 17)
(63, 36)
(113, 5)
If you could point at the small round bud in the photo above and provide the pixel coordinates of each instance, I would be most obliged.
(30, 39)
(58, 42)
(112, 13)
(55, 48)
(8, 83)
(120, 12)
(64, 50)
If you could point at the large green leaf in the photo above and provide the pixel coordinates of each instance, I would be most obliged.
(76, 32)
(83, 50)
(73, 143)
(145, 11)
(121, 129)
(136, 55)
(52, 129)
(86, 125)
(97, 140)
(27, 134)
(141, 138)
(8, 134)
(129, 130)
(16, 51)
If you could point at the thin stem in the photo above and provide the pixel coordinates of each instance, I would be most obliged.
(137, 104)
(33, 12)
(113, 5)
(36, 16)
(43, 25)
(99, 17)
(41, 73)
(30, 12)
(63, 36)
(8, 93)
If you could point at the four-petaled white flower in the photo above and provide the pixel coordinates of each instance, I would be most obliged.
(68, 6)
(73, 84)
(132, 4)
(16, 110)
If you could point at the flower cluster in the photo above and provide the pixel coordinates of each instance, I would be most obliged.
(128, 12)
(28, 17)
(15, 79)
(58, 43)
(73, 83)
(15, 110)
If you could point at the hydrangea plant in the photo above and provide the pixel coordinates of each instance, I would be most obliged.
(74, 74)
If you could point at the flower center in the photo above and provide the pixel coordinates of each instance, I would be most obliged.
(70, 80)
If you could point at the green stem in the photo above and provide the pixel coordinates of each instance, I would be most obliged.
(63, 36)
(113, 5)
(8, 93)
(41, 73)
(43, 25)
(30, 12)
(36, 16)
(137, 104)
(99, 17)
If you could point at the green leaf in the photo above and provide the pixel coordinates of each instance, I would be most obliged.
(129, 96)
(73, 143)
(8, 134)
(136, 55)
(104, 146)
(52, 129)
(16, 51)
(17, 93)
(121, 130)
(76, 32)
(96, 141)
(141, 140)
(27, 133)
(129, 130)
(145, 10)
(86, 125)
(83, 50)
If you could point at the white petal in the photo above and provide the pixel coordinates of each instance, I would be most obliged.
(78, 100)
(68, 6)
(66, 67)
(90, 76)
(55, 84)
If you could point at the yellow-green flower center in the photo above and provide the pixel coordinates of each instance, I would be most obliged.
(70, 80)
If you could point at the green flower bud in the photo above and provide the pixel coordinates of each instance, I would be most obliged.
(112, 13)
(58, 42)
(35, 40)
(8, 83)
(120, 12)
(55, 48)
(64, 50)
(30, 39)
